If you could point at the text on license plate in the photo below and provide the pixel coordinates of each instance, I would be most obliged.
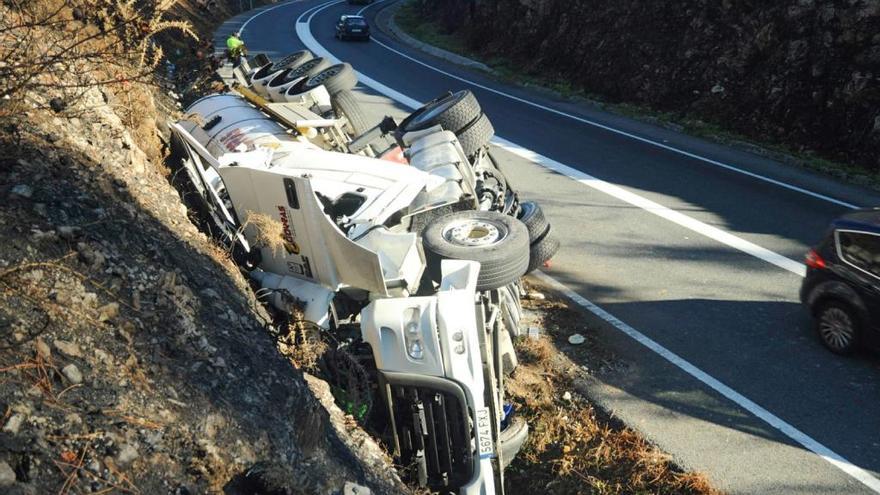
(355, 30)
(484, 432)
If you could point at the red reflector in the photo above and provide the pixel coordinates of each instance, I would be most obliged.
(395, 155)
(814, 260)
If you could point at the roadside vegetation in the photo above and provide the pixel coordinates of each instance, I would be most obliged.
(573, 447)
(412, 19)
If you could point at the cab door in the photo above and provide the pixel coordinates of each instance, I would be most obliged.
(314, 248)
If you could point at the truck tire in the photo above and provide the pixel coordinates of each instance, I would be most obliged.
(542, 250)
(452, 112)
(476, 135)
(295, 59)
(500, 244)
(308, 68)
(345, 105)
(336, 78)
(532, 215)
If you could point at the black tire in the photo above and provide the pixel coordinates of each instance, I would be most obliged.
(542, 250)
(260, 60)
(838, 327)
(295, 59)
(336, 78)
(309, 68)
(532, 215)
(501, 247)
(452, 112)
(345, 104)
(476, 136)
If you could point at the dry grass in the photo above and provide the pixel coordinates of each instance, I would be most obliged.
(300, 340)
(64, 47)
(574, 448)
(269, 233)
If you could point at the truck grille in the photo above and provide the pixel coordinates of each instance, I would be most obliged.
(433, 430)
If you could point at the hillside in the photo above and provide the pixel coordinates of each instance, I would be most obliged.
(133, 355)
(803, 73)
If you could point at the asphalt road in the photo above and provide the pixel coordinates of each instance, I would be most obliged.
(722, 309)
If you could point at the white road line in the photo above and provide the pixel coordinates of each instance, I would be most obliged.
(627, 134)
(270, 9)
(613, 190)
(788, 430)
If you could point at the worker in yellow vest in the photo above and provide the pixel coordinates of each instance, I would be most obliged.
(235, 49)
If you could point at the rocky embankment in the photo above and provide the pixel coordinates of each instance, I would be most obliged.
(133, 355)
(805, 73)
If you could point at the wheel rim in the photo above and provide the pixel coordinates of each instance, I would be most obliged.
(322, 76)
(836, 328)
(433, 112)
(306, 67)
(475, 233)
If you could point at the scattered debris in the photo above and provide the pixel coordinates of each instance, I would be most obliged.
(7, 474)
(534, 333)
(535, 295)
(70, 349)
(108, 311)
(23, 190)
(72, 373)
(576, 339)
(14, 424)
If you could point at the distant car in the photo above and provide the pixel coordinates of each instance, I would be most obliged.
(352, 26)
(842, 286)
(360, 2)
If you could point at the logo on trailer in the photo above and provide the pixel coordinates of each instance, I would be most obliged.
(288, 233)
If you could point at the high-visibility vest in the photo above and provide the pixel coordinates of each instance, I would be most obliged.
(232, 43)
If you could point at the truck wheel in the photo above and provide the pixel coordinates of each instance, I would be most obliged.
(452, 112)
(336, 78)
(542, 250)
(308, 69)
(295, 59)
(345, 105)
(499, 242)
(476, 136)
(531, 215)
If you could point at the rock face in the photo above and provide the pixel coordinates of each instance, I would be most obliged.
(121, 366)
(803, 72)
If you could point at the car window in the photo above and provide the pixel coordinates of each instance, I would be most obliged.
(861, 250)
(357, 22)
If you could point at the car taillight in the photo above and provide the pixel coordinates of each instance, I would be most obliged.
(813, 260)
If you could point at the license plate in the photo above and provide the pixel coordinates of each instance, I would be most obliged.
(355, 30)
(484, 433)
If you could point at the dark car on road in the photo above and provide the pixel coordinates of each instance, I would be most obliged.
(842, 286)
(352, 27)
(360, 2)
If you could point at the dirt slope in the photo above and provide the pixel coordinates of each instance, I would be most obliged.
(133, 357)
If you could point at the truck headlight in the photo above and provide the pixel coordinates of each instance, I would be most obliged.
(413, 335)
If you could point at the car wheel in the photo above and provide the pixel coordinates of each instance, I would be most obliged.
(345, 105)
(500, 244)
(532, 215)
(336, 78)
(838, 327)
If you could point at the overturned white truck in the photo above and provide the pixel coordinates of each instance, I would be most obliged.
(409, 231)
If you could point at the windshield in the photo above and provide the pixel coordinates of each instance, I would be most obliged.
(356, 22)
